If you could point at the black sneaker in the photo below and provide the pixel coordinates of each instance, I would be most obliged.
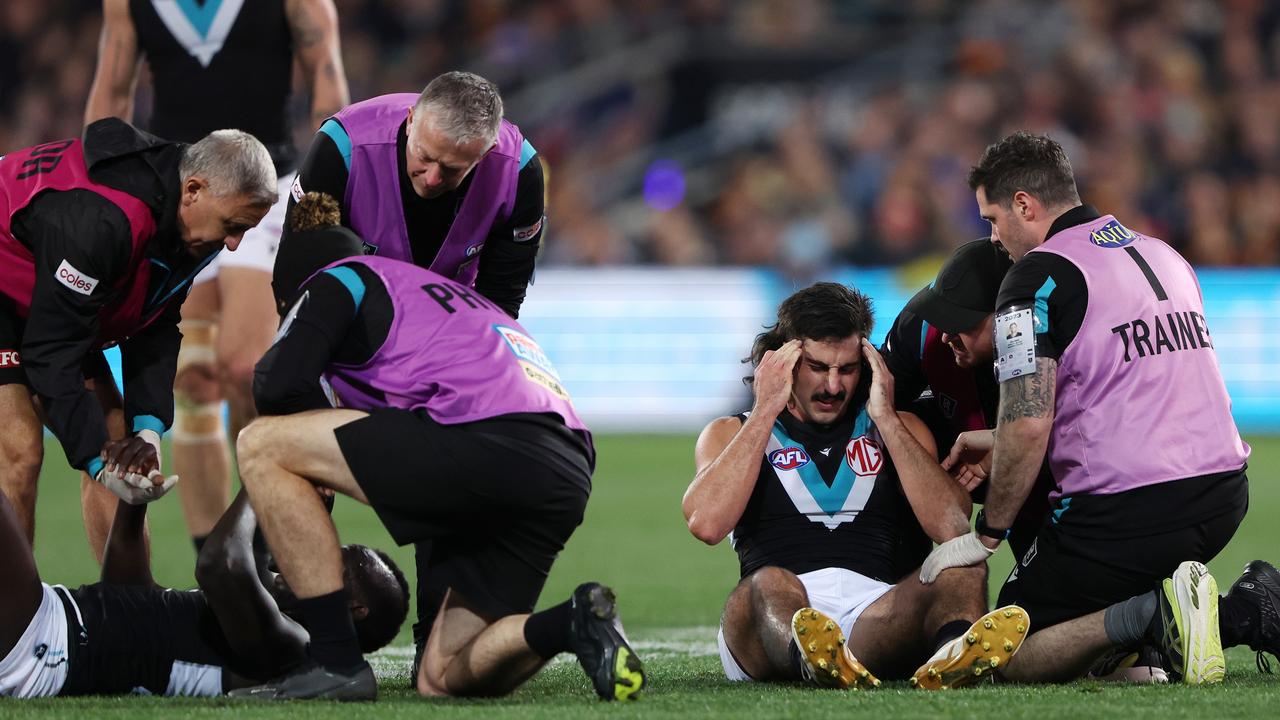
(313, 682)
(597, 638)
(1259, 585)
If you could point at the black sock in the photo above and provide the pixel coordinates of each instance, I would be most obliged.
(949, 632)
(1236, 620)
(198, 541)
(547, 632)
(333, 634)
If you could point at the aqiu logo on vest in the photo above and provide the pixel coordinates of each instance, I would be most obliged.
(863, 455)
(1112, 235)
(788, 458)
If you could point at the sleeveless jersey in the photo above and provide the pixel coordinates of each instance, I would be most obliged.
(451, 352)
(1140, 398)
(828, 499)
(60, 166)
(219, 64)
(373, 202)
(151, 640)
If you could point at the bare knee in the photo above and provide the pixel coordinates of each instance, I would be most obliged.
(235, 372)
(773, 582)
(197, 384)
(253, 448)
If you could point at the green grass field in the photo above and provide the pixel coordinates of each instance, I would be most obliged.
(670, 589)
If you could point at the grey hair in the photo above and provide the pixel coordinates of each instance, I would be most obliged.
(463, 105)
(233, 162)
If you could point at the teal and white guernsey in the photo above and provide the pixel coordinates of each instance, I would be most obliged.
(828, 497)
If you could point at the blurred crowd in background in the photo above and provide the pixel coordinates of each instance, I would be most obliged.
(802, 133)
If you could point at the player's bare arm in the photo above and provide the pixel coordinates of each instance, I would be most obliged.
(314, 25)
(728, 453)
(126, 559)
(116, 78)
(939, 502)
(1022, 436)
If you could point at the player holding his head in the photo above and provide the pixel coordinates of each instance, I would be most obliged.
(125, 634)
(99, 241)
(220, 64)
(1119, 388)
(455, 427)
(821, 487)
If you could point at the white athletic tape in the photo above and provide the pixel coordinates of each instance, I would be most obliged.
(197, 424)
(198, 340)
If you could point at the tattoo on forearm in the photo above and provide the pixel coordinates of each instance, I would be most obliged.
(1030, 395)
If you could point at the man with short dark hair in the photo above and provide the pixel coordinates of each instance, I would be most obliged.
(819, 487)
(99, 241)
(1117, 321)
(125, 634)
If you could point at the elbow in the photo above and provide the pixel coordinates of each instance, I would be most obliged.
(707, 530)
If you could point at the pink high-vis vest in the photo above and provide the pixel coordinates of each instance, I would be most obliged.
(60, 166)
(1140, 398)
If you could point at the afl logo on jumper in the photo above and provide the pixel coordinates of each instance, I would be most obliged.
(1112, 235)
(863, 456)
(788, 458)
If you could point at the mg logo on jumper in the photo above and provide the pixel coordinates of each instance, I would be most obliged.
(863, 456)
(788, 458)
(1112, 235)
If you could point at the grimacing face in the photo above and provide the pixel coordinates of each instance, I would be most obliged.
(1008, 230)
(974, 346)
(208, 222)
(825, 377)
(435, 163)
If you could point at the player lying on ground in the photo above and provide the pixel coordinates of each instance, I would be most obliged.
(1110, 377)
(126, 634)
(455, 428)
(825, 488)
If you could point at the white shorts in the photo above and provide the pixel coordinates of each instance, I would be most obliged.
(841, 594)
(37, 665)
(258, 249)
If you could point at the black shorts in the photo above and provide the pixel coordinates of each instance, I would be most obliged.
(497, 498)
(1076, 567)
(11, 372)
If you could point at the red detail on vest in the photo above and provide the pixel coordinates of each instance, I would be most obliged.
(60, 166)
(864, 456)
(10, 359)
(952, 381)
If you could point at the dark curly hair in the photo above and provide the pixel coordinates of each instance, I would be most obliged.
(1034, 164)
(822, 311)
(315, 211)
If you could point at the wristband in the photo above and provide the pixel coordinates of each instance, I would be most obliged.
(981, 527)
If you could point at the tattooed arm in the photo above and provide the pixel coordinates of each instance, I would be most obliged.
(1022, 436)
(314, 26)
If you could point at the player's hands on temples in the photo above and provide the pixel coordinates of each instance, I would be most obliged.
(969, 461)
(774, 377)
(880, 401)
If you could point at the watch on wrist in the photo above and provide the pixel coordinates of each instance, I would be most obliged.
(981, 527)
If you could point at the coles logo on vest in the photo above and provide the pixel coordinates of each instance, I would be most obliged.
(788, 458)
(863, 455)
(1112, 235)
(68, 275)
